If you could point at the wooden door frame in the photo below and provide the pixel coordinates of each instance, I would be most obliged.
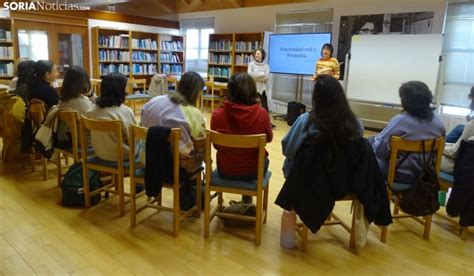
(83, 31)
(28, 25)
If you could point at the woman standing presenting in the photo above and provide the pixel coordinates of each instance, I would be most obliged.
(327, 64)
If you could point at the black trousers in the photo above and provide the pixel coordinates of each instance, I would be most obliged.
(263, 100)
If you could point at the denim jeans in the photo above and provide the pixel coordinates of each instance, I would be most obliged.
(454, 135)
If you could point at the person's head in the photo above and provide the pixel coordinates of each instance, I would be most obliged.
(189, 87)
(112, 90)
(327, 50)
(242, 89)
(416, 99)
(46, 70)
(17, 63)
(331, 112)
(76, 83)
(259, 55)
(25, 72)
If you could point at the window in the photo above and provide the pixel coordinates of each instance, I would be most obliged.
(459, 57)
(197, 33)
(33, 44)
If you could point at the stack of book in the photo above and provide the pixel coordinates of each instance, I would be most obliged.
(6, 52)
(222, 72)
(144, 44)
(113, 55)
(168, 57)
(221, 45)
(246, 46)
(219, 59)
(6, 69)
(171, 46)
(243, 59)
(143, 56)
(114, 68)
(113, 41)
(144, 69)
(174, 69)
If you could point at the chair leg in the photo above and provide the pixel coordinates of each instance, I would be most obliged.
(133, 203)
(66, 160)
(207, 211)
(85, 184)
(45, 168)
(304, 238)
(198, 195)
(265, 203)
(426, 233)
(176, 209)
(58, 166)
(352, 241)
(383, 234)
(258, 222)
(121, 195)
(396, 208)
(464, 232)
(33, 162)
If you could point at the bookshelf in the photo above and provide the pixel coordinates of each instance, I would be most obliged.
(7, 46)
(138, 55)
(231, 53)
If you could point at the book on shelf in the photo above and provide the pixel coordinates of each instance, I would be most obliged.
(147, 43)
(220, 72)
(220, 59)
(144, 69)
(6, 69)
(113, 55)
(246, 46)
(105, 69)
(6, 52)
(221, 45)
(169, 57)
(8, 35)
(172, 69)
(143, 56)
(171, 46)
(113, 41)
(243, 59)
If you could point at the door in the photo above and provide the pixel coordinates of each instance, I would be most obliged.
(71, 47)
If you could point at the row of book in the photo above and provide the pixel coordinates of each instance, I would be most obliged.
(5, 35)
(6, 52)
(6, 69)
(243, 59)
(113, 41)
(246, 46)
(220, 72)
(174, 69)
(144, 43)
(219, 59)
(143, 56)
(144, 69)
(171, 46)
(221, 45)
(105, 69)
(168, 57)
(113, 55)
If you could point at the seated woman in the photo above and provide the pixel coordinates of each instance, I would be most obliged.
(110, 106)
(14, 81)
(240, 115)
(76, 94)
(45, 73)
(416, 122)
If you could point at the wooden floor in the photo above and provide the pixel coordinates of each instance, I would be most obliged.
(38, 236)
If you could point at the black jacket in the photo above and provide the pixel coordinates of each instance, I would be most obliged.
(159, 161)
(42, 90)
(324, 173)
(461, 201)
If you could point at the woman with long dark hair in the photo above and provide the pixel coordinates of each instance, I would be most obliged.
(76, 92)
(330, 120)
(45, 73)
(416, 122)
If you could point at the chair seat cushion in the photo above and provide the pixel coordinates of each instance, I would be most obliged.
(216, 180)
(110, 164)
(89, 150)
(446, 177)
(140, 173)
(400, 187)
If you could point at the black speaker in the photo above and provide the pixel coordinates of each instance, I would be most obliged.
(295, 109)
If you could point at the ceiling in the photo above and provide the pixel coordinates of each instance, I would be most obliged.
(170, 8)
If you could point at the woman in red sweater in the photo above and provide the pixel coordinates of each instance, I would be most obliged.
(240, 115)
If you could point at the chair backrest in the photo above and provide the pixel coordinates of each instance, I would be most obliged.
(37, 111)
(111, 126)
(398, 144)
(138, 82)
(138, 133)
(71, 118)
(95, 85)
(257, 141)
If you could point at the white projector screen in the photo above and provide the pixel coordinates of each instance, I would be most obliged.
(296, 53)
(379, 64)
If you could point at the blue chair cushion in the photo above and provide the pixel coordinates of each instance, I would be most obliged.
(400, 187)
(446, 177)
(110, 164)
(140, 173)
(89, 150)
(216, 180)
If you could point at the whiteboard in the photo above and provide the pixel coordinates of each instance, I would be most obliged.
(379, 65)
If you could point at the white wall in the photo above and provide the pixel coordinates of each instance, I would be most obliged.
(259, 19)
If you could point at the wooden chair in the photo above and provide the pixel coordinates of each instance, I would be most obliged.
(333, 219)
(117, 169)
(210, 95)
(137, 176)
(446, 181)
(258, 188)
(36, 115)
(135, 83)
(5, 81)
(95, 85)
(397, 145)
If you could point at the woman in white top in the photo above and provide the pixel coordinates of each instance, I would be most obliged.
(260, 72)
(76, 94)
(110, 106)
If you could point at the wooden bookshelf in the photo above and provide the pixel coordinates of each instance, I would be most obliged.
(7, 49)
(144, 53)
(231, 52)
